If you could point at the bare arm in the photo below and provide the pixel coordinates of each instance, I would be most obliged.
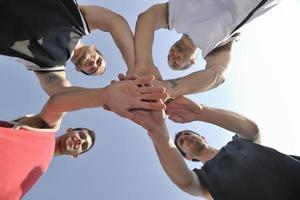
(107, 20)
(118, 97)
(183, 110)
(55, 82)
(170, 158)
(212, 76)
(154, 18)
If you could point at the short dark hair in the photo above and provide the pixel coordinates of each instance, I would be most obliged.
(91, 134)
(177, 137)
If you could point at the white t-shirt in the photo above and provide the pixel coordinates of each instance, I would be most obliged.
(210, 23)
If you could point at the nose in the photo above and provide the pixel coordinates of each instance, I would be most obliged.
(77, 142)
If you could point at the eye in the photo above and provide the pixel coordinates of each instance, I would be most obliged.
(82, 135)
(84, 146)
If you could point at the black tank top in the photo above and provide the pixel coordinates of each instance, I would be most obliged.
(43, 32)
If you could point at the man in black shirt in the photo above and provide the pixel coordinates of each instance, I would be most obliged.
(45, 34)
(243, 169)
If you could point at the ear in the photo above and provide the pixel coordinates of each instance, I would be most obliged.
(69, 130)
(94, 46)
(192, 61)
(189, 156)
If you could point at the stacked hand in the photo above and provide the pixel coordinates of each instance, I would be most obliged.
(124, 95)
(183, 110)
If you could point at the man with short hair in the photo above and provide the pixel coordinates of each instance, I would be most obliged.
(26, 153)
(242, 169)
(45, 34)
(210, 26)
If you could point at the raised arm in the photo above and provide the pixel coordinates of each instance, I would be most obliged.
(154, 18)
(107, 20)
(170, 159)
(212, 76)
(184, 110)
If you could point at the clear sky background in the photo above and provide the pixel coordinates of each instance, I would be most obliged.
(263, 84)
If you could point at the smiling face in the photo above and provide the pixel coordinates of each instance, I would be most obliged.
(190, 143)
(89, 61)
(180, 56)
(75, 142)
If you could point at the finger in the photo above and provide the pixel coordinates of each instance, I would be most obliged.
(176, 119)
(151, 89)
(155, 96)
(158, 105)
(144, 79)
(112, 82)
(122, 77)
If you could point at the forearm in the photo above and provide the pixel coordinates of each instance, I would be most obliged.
(231, 121)
(148, 22)
(54, 109)
(173, 163)
(196, 82)
(144, 36)
(123, 38)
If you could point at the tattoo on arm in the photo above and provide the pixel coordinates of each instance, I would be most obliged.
(51, 78)
(173, 82)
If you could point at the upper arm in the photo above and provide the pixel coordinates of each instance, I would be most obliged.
(99, 18)
(53, 82)
(195, 188)
(156, 15)
(219, 57)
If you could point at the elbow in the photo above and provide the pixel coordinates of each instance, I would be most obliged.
(218, 78)
(255, 133)
(142, 16)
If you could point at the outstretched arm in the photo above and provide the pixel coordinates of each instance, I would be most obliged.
(154, 18)
(55, 82)
(107, 20)
(119, 97)
(184, 110)
(170, 158)
(212, 76)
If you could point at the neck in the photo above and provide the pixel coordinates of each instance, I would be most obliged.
(76, 51)
(207, 154)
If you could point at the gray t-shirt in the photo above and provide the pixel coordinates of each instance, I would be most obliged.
(244, 170)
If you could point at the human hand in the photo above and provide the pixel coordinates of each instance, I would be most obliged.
(131, 94)
(183, 110)
(152, 121)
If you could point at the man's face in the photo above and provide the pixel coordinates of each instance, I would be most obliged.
(90, 61)
(191, 143)
(179, 56)
(75, 142)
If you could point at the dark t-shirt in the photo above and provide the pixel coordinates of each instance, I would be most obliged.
(244, 170)
(43, 32)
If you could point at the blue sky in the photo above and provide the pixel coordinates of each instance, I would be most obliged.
(263, 84)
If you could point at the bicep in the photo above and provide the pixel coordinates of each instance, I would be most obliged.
(219, 57)
(196, 188)
(53, 82)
